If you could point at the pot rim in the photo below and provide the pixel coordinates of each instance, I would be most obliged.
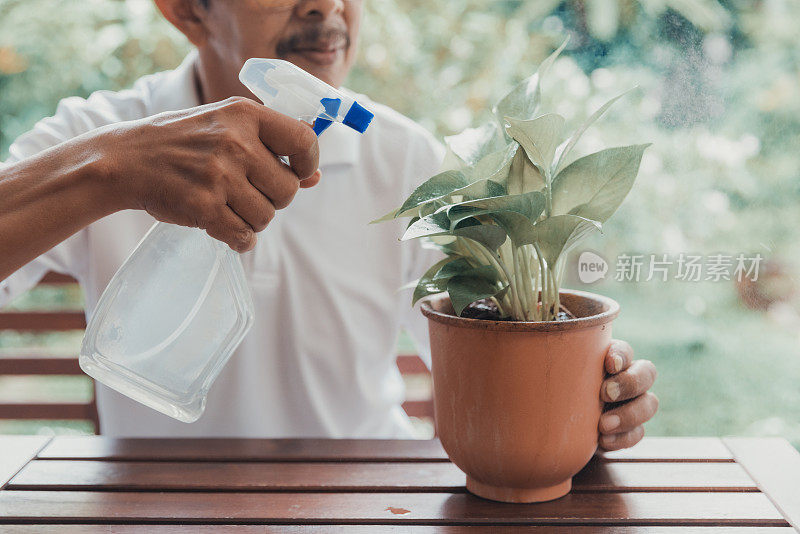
(611, 312)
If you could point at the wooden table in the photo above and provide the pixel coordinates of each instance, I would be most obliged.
(666, 485)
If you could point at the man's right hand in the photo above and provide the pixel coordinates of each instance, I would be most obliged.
(215, 167)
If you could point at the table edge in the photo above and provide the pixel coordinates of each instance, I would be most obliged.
(774, 465)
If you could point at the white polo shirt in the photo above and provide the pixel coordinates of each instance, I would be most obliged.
(320, 358)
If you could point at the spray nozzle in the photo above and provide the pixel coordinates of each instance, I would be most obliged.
(290, 90)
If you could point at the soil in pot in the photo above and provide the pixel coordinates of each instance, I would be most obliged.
(486, 309)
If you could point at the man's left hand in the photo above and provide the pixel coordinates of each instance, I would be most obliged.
(629, 404)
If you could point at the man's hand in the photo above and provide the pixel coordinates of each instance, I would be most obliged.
(215, 167)
(629, 404)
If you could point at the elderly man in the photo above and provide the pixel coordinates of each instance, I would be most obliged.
(189, 147)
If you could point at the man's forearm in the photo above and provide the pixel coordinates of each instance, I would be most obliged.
(48, 197)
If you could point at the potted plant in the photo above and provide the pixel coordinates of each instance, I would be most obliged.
(517, 361)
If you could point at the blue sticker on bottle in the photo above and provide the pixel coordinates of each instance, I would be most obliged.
(331, 106)
(320, 125)
(358, 118)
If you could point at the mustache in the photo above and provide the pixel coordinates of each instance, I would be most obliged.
(310, 36)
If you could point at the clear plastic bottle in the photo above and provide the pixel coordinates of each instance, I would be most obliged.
(173, 314)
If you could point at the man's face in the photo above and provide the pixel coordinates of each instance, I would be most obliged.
(318, 36)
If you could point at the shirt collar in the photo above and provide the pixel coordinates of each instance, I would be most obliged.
(177, 89)
(339, 145)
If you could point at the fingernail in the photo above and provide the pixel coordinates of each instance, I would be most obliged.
(316, 173)
(618, 361)
(612, 390)
(610, 422)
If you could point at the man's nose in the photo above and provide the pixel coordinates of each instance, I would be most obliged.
(319, 9)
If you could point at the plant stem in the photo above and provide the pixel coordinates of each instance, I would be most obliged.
(470, 251)
(499, 306)
(533, 264)
(518, 280)
(503, 260)
(499, 267)
(544, 282)
(548, 194)
(526, 278)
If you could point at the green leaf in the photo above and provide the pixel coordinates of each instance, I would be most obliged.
(488, 235)
(594, 186)
(450, 269)
(523, 176)
(515, 214)
(473, 144)
(447, 244)
(435, 187)
(558, 235)
(462, 267)
(434, 224)
(539, 137)
(530, 205)
(450, 183)
(427, 285)
(523, 100)
(464, 290)
(493, 166)
(480, 189)
(436, 279)
(570, 144)
(518, 226)
(430, 207)
(451, 162)
(388, 217)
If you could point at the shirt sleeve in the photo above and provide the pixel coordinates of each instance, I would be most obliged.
(421, 259)
(69, 256)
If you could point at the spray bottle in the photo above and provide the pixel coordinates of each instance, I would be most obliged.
(173, 314)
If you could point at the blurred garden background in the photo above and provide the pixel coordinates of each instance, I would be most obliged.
(719, 98)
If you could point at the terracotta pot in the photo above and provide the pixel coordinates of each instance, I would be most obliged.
(518, 403)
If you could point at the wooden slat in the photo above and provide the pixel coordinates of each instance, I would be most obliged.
(49, 410)
(41, 365)
(775, 466)
(673, 450)
(42, 321)
(15, 452)
(662, 476)
(222, 449)
(419, 408)
(240, 476)
(697, 509)
(53, 278)
(343, 476)
(411, 364)
(375, 529)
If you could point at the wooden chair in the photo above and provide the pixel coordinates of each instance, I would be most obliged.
(34, 361)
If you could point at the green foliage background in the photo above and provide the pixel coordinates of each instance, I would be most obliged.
(719, 100)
